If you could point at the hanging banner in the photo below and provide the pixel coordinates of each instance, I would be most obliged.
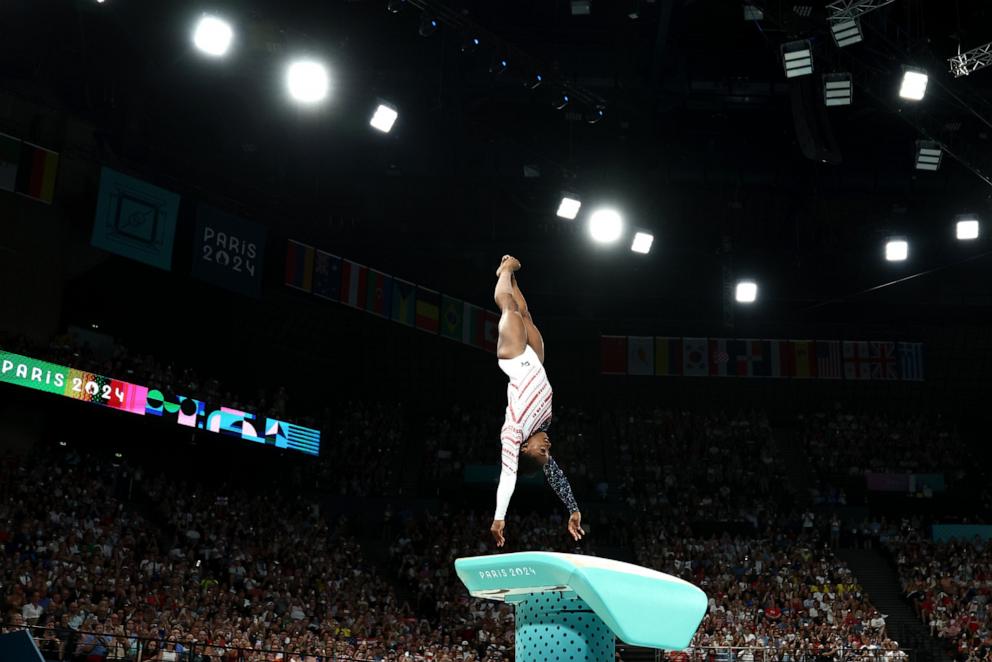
(228, 251)
(135, 219)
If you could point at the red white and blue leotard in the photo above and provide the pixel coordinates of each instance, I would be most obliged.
(528, 410)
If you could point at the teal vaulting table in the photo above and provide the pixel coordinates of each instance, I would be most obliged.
(570, 608)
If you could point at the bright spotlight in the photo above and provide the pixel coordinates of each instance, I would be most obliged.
(569, 207)
(967, 228)
(642, 243)
(213, 36)
(383, 118)
(914, 84)
(605, 226)
(428, 25)
(746, 291)
(534, 81)
(307, 81)
(896, 250)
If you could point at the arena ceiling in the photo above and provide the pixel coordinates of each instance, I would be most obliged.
(698, 142)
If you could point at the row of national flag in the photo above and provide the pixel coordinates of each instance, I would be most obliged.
(879, 360)
(338, 279)
(27, 169)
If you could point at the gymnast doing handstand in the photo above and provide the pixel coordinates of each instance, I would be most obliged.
(524, 437)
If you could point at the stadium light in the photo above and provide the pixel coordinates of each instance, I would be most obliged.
(967, 228)
(213, 36)
(534, 81)
(846, 32)
(428, 25)
(746, 291)
(605, 226)
(838, 90)
(642, 243)
(753, 12)
(797, 58)
(914, 84)
(307, 81)
(594, 115)
(395, 6)
(383, 118)
(500, 64)
(928, 155)
(896, 249)
(581, 7)
(569, 207)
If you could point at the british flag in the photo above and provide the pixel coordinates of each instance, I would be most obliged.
(882, 361)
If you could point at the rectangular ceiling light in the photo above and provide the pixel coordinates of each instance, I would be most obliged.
(383, 118)
(569, 207)
(928, 155)
(642, 243)
(797, 58)
(581, 7)
(752, 12)
(967, 228)
(846, 32)
(914, 84)
(838, 89)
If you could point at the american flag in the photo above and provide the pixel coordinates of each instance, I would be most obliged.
(828, 363)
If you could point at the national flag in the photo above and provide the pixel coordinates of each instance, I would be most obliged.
(911, 361)
(723, 356)
(883, 360)
(614, 355)
(327, 276)
(807, 362)
(753, 358)
(696, 357)
(828, 359)
(354, 284)
(490, 331)
(473, 325)
(299, 265)
(379, 292)
(428, 310)
(857, 362)
(404, 304)
(668, 358)
(783, 358)
(36, 172)
(452, 317)
(10, 159)
(640, 355)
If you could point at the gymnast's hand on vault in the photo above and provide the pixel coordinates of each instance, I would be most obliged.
(497, 530)
(575, 526)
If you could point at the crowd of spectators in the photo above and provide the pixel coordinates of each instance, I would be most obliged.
(846, 443)
(366, 442)
(682, 465)
(204, 574)
(778, 594)
(950, 585)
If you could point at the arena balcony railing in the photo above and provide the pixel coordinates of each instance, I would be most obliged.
(128, 648)
(760, 654)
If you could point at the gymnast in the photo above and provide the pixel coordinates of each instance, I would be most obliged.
(524, 437)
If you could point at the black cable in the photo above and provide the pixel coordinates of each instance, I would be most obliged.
(844, 298)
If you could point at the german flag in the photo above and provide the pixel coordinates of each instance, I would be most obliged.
(428, 310)
(36, 172)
